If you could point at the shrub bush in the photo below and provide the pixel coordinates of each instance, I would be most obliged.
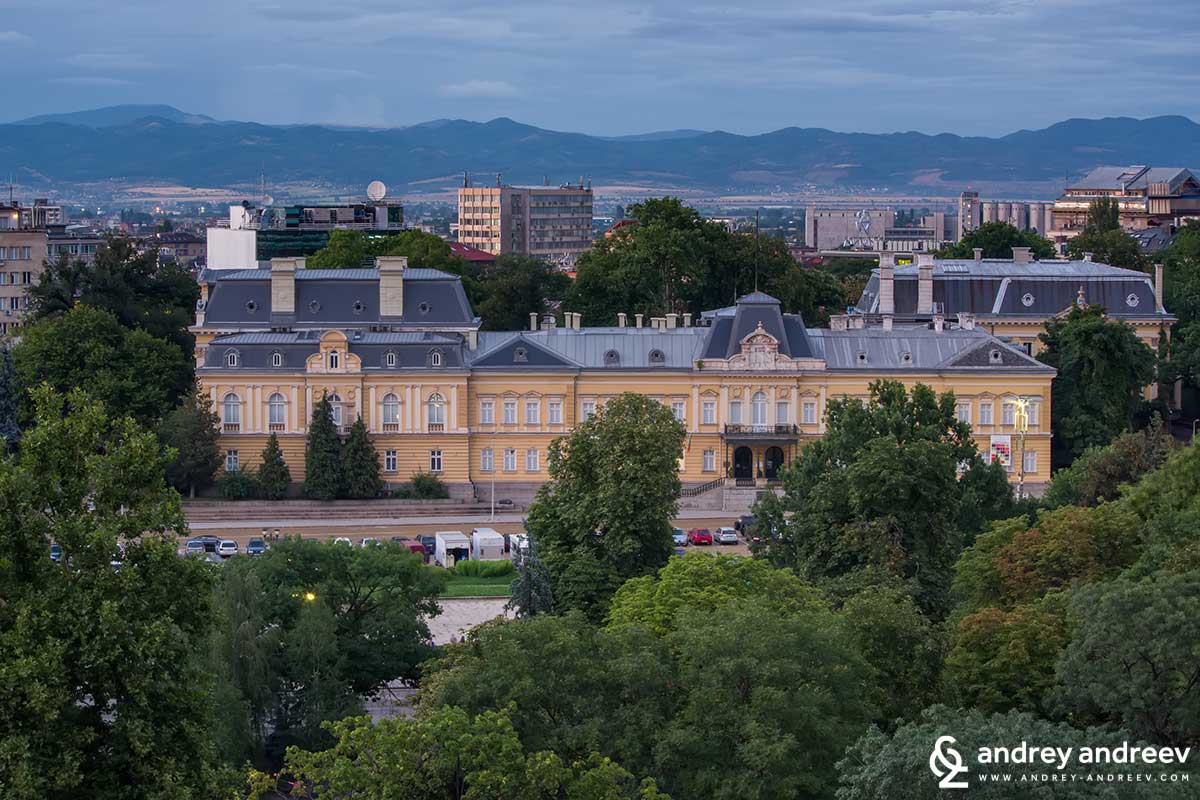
(484, 569)
(239, 485)
(427, 486)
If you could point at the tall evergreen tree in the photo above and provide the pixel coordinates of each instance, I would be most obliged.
(531, 590)
(10, 433)
(323, 455)
(360, 464)
(191, 430)
(273, 474)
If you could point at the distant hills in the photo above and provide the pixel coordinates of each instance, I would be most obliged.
(145, 144)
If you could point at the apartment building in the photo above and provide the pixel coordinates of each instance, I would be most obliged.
(552, 223)
(1146, 197)
(401, 348)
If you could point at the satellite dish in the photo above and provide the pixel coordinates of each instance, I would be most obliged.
(268, 200)
(376, 190)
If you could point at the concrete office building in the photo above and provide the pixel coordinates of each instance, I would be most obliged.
(969, 214)
(873, 230)
(549, 222)
(1021, 215)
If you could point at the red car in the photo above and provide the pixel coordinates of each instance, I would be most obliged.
(700, 536)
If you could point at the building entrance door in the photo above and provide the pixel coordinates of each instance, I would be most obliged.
(743, 463)
(772, 461)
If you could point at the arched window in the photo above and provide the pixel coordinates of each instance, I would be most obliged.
(276, 359)
(758, 408)
(231, 358)
(335, 403)
(435, 358)
(276, 411)
(231, 410)
(437, 411)
(334, 359)
(390, 359)
(391, 409)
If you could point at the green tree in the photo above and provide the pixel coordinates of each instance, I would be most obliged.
(877, 497)
(133, 286)
(896, 766)
(530, 592)
(1102, 368)
(997, 240)
(350, 249)
(516, 285)
(101, 692)
(1103, 238)
(709, 583)
(130, 371)
(1098, 474)
(447, 755)
(1134, 656)
(274, 477)
(323, 455)
(191, 431)
(604, 515)
(10, 400)
(360, 464)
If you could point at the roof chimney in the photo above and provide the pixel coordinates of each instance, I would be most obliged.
(924, 283)
(966, 321)
(578, 320)
(1022, 255)
(549, 322)
(533, 320)
(283, 288)
(1158, 288)
(637, 320)
(687, 319)
(837, 322)
(391, 286)
(978, 251)
(887, 322)
(672, 321)
(622, 319)
(939, 323)
(1087, 256)
(887, 286)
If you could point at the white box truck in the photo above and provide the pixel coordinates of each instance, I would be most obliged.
(486, 545)
(450, 547)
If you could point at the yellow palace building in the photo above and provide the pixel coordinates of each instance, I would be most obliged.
(402, 348)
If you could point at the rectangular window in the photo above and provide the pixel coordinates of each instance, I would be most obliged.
(531, 460)
(963, 412)
(735, 412)
(486, 460)
(589, 408)
(390, 461)
(231, 460)
(985, 413)
(710, 461)
(679, 409)
(555, 412)
(533, 412)
(1008, 414)
(510, 460)
(435, 460)
(487, 412)
(708, 412)
(810, 412)
(1030, 461)
(782, 412)
(510, 412)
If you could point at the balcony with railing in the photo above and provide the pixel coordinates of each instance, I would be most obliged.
(763, 431)
(231, 427)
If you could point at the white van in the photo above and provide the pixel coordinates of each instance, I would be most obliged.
(450, 547)
(486, 545)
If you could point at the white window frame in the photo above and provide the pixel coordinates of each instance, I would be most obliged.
(335, 360)
(809, 409)
(435, 412)
(533, 412)
(487, 412)
(589, 408)
(391, 410)
(510, 412)
(679, 409)
(1008, 413)
(554, 412)
(532, 460)
(232, 461)
(435, 461)
(391, 461)
(710, 461)
(487, 460)
(510, 459)
(708, 412)
(276, 410)
(1029, 461)
(231, 409)
(783, 412)
(962, 411)
(987, 410)
(735, 412)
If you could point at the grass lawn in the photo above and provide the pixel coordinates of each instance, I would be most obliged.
(466, 586)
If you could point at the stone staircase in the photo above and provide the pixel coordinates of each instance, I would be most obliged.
(268, 510)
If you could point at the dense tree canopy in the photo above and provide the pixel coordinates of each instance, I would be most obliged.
(514, 286)
(1098, 474)
(191, 431)
(100, 692)
(604, 515)
(1102, 368)
(997, 240)
(350, 249)
(1103, 237)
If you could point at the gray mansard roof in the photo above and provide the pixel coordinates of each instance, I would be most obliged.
(1037, 289)
(918, 347)
(334, 298)
(255, 351)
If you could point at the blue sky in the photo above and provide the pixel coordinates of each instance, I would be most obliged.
(612, 67)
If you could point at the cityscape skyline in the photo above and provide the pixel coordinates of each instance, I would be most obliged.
(853, 67)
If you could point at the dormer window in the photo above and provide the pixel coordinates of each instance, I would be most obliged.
(435, 358)
(995, 357)
(612, 358)
(657, 357)
(520, 356)
(251, 306)
(231, 358)
(357, 307)
(389, 359)
(906, 359)
(314, 307)
(1131, 300)
(277, 359)
(335, 359)
(423, 307)
(861, 358)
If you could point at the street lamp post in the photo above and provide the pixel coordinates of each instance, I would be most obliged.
(1022, 421)
(493, 517)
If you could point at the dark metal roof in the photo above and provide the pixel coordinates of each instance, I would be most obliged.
(750, 311)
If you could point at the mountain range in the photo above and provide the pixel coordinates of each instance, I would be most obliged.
(149, 144)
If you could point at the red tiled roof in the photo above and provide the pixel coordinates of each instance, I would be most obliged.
(468, 253)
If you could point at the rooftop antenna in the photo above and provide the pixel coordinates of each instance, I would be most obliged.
(498, 183)
(466, 179)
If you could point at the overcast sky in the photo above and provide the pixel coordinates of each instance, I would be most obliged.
(966, 66)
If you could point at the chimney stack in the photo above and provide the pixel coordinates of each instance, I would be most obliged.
(966, 321)
(939, 323)
(533, 320)
(1087, 256)
(978, 251)
(283, 288)
(1158, 288)
(637, 320)
(1022, 255)
(687, 319)
(887, 322)
(391, 286)
(578, 319)
(887, 287)
(837, 322)
(549, 322)
(622, 319)
(924, 283)
(672, 321)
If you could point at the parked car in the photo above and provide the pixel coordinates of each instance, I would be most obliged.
(343, 540)
(368, 541)
(227, 547)
(744, 523)
(413, 546)
(725, 536)
(55, 552)
(679, 537)
(256, 547)
(194, 547)
(700, 536)
(429, 542)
